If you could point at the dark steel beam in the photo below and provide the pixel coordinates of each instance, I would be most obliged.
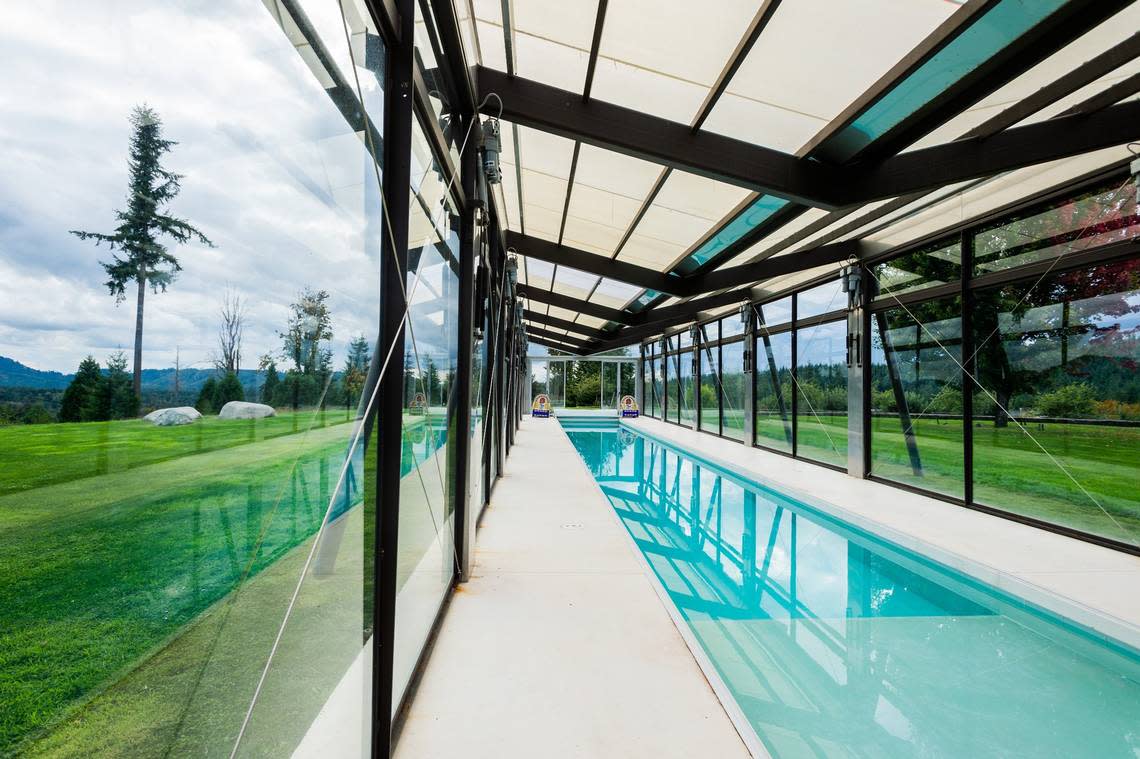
(387, 17)
(934, 167)
(557, 346)
(595, 45)
(398, 116)
(453, 60)
(767, 268)
(641, 276)
(546, 334)
(1087, 73)
(554, 321)
(1114, 94)
(669, 143)
(591, 263)
(574, 304)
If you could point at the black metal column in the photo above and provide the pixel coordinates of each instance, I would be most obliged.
(465, 511)
(398, 115)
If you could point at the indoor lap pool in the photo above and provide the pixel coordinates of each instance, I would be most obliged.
(835, 643)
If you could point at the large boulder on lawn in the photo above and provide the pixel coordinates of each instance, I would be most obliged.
(171, 417)
(245, 410)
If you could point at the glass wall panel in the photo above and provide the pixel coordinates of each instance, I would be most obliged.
(154, 529)
(539, 378)
(1057, 412)
(774, 313)
(609, 389)
(425, 553)
(686, 389)
(627, 384)
(936, 265)
(1087, 221)
(647, 382)
(773, 380)
(659, 387)
(731, 326)
(556, 382)
(820, 299)
(734, 388)
(710, 379)
(821, 392)
(916, 395)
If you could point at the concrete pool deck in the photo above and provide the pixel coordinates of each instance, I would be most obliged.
(559, 646)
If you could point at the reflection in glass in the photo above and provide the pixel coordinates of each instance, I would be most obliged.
(916, 395)
(833, 643)
(734, 386)
(1087, 221)
(936, 265)
(149, 569)
(773, 380)
(426, 553)
(709, 379)
(821, 392)
(1057, 370)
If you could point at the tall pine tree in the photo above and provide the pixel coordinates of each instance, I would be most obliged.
(139, 257)
(81, 396)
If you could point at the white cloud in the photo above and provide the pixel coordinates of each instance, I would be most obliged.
(273, 175)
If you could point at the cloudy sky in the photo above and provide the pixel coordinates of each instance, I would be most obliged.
(273, 175)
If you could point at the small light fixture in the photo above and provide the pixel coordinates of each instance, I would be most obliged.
(491, 144)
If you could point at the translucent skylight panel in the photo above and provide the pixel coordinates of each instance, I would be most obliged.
(756, 213)
(560, 313)
(1001, 25)
(545, 168)
(491, 45)
(575, 278)
(684, 211)
(591, 321)
(1099, 39)
(697, 196)
(662, 56)
(618, 290)
(552, 41)
(608, 190)
(810, 216)
(812, 60)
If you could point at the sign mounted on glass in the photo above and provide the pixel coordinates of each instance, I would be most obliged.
(628, 406)
(540, 406)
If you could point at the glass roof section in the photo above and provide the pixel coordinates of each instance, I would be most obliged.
(810, 62)
(996, 29)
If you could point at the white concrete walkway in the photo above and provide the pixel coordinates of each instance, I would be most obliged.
(559, 645)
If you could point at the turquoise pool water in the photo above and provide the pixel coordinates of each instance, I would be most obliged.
(837, 644)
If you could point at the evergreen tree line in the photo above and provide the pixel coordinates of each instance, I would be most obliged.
(96, 395)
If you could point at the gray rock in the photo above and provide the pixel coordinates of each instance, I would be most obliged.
(171, 417)
(245, 410)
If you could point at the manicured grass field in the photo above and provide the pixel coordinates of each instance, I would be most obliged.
(141, 594)
(1010, 470)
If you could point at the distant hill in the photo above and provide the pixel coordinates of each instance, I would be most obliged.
(15, 374)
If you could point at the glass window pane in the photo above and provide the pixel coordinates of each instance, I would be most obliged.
(775, 313)
(820, 299)
(1061, 360)
(773, 378)
(1089, 220)
(733, 389)
(609, 389)
(916, 395)
(821, 393)
(731, 326)
(710, 380)
(938, 265)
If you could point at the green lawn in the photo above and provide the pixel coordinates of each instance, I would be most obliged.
(1010, 470)
(142, 592)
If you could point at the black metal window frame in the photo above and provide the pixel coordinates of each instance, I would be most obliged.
(964, 233)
